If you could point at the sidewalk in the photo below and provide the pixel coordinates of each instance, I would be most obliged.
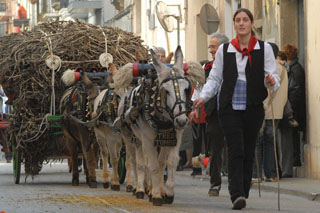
(301, 187)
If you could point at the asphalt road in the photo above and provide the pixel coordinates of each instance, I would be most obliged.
(51, 191)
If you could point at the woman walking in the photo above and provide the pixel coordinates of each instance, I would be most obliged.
(243, 70)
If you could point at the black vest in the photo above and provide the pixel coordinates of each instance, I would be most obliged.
(256, 91)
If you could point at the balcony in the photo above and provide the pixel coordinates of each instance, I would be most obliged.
(3, 7)
(81, 8)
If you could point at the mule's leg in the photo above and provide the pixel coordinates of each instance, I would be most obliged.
(140, 169)
(114, 145)
(154, 170)
(72, 146)
(89, 155)
(172, 163)
(163, 155)
(105, 173)
(130, 165)
(104, 155)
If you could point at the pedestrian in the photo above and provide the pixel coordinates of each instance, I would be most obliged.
(265, 142)
(290, 135)
(214, 133)
(200, 144)
(243, 69)
(21, 14)
(161, 53)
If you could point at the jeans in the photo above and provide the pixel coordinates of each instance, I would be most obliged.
(241, 128)
(265, 152)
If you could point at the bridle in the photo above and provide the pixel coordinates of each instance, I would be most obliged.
(161, 95)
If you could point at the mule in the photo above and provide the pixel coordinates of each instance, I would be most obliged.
(79, 138)
(170, 109)
(110, 142)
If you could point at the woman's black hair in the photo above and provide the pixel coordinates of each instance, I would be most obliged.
(248, 12)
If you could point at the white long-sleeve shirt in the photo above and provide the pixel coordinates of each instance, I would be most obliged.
(215, 77)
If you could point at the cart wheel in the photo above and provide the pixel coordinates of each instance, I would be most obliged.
(122, 165)
(16, 164)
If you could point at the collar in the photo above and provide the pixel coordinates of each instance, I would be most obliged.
(293, 61)
(232, 49)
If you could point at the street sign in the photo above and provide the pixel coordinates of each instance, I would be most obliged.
(209, 19)
(20, 22)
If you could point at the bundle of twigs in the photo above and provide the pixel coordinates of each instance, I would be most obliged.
(26, 77)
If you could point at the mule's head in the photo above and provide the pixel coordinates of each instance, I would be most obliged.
(174, 87)
(92, 90)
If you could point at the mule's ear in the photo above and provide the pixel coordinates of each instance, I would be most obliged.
(158, 65)
(85, 79)
(139, 56)
(178, 58)
(113, 68)
(168, 58)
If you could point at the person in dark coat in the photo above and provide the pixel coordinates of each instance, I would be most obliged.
(214, 133)
(290, 135)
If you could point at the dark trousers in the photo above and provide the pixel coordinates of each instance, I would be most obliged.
(241, 128)
(265, 151)
(216, 144)
(199, 139)
(296, 147)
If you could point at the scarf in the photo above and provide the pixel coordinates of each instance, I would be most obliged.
(245, 51)
(208, 66)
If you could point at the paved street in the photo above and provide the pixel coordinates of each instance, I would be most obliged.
(51, 191)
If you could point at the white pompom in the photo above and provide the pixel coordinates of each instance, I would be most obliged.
(68, 77)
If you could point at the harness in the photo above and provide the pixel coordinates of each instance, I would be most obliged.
(77, 105)
(108, 108)
(150, 100)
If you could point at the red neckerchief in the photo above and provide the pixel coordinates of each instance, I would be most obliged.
(245, 51)
(208, 66)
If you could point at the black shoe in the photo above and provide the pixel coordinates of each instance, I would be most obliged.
(214, 190)
(196, 171)
(239, 203)
(179, 168)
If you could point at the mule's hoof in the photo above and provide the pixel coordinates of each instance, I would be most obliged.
(150, 197)
(106, 185)
(168, 199)
(75, 182)
(129, 188)
(93, 184)
(157, 201)
(115, 187)
(134, 192)
(140, 195)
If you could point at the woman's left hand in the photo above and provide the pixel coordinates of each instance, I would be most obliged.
(270, 81)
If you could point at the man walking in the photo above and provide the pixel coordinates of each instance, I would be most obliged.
(214, 131)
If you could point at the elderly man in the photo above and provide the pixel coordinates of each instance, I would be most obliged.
(160, 52)
(214, 132)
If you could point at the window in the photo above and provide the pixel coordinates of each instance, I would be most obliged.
(3, 5)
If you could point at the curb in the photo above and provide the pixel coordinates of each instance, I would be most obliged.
(267, 187)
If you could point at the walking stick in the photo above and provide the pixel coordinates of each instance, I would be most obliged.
(275, 149)
(258, 170)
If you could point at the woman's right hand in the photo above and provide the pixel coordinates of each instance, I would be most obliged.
(195, 112)
(197, 103)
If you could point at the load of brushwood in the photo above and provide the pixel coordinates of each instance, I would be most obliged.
(27, 80)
